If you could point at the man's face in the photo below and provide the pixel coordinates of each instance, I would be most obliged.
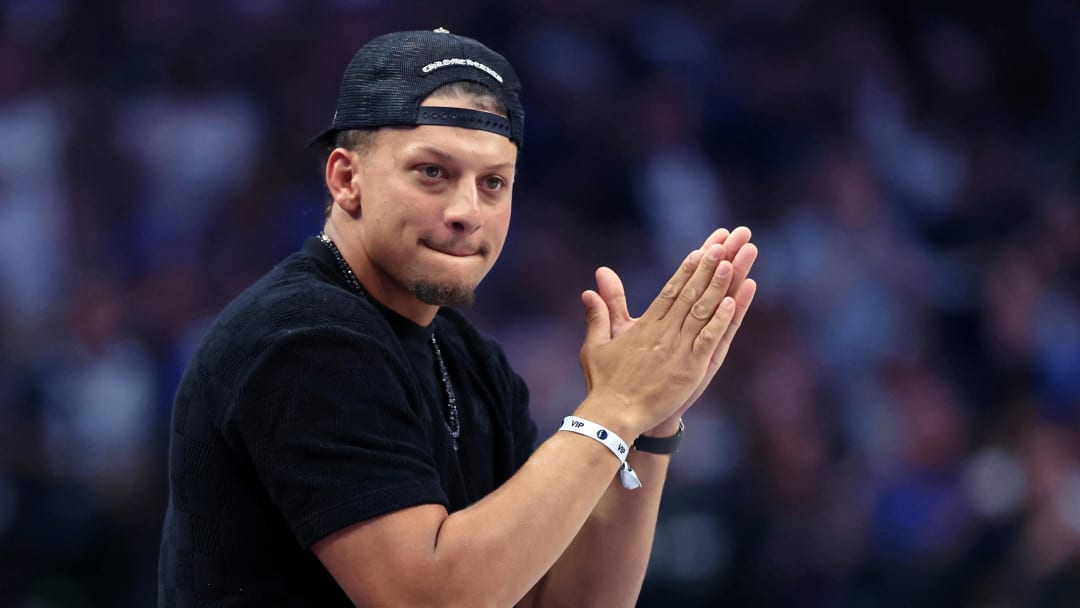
(435, 208)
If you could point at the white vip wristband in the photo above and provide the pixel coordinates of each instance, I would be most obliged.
(613, 442)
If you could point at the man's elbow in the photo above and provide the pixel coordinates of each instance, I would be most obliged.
(424, 588)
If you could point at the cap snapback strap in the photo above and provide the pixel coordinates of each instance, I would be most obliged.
(461, 117)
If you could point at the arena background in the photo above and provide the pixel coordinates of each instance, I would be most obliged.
(897, 422)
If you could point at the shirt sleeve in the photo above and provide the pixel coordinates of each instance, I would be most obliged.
(521, 421)
(327, 423)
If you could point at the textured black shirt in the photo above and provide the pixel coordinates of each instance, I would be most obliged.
(309, 408)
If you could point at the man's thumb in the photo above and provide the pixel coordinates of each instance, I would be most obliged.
(597, 320)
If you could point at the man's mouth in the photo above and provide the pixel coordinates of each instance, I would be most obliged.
(458, 251)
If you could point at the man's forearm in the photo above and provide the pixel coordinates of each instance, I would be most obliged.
(489, 554)
(606, 562)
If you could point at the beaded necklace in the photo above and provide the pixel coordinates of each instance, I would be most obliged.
(451, 419)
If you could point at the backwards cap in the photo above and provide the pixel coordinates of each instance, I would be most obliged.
(389, 77)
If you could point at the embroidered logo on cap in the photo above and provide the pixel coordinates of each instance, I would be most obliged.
(431, 67)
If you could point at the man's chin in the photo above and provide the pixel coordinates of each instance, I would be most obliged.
(443, 294)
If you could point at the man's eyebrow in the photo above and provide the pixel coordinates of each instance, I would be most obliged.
(450, 159)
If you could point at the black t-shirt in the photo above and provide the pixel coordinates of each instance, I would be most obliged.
(309, 408)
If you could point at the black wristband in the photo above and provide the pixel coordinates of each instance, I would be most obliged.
(660, 445)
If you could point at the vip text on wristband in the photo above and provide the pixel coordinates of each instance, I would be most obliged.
(612, 441)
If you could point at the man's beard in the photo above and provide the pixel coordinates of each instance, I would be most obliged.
(443, 294)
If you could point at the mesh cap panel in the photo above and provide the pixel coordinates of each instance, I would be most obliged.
(388, 77)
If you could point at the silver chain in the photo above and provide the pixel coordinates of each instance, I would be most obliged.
(452, 419)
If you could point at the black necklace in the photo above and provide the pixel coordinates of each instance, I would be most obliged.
(452, 419)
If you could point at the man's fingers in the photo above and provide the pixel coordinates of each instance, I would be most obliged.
(742, 262)
(718, 237)
(610, 287)
(699, 285)
(740, 252)
(743, 298)
(713, 331)
(662, 303)
(707, 297)
(738, 237)
(597, 321)
(702, 311)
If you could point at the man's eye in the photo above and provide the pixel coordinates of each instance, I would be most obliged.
(494, 183)
(432, 171)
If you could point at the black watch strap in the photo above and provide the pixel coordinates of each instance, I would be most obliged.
(660, 445)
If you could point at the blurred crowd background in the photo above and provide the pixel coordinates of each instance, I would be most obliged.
(897, 423)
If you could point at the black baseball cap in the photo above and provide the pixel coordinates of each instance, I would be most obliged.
(389, 77)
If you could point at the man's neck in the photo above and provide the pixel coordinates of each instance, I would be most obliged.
(379, 285)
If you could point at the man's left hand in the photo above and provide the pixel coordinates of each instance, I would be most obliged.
(739, 254)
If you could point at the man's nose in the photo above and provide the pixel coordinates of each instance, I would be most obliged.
(463, 213)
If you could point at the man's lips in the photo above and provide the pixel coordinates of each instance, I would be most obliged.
(458, 251)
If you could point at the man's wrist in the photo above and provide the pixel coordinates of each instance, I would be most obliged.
(666, 428)
(611, 412)
(668, 444)
(611, 441)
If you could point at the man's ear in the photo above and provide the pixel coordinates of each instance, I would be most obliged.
(342, 182)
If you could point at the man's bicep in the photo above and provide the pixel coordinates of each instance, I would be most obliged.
(388, 560)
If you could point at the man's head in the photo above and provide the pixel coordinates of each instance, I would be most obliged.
(420, 189)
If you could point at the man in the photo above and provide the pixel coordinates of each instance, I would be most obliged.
(343, 436)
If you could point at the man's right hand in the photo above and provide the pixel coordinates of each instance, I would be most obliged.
(644, 374)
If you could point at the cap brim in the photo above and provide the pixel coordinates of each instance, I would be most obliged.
(322, 138)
